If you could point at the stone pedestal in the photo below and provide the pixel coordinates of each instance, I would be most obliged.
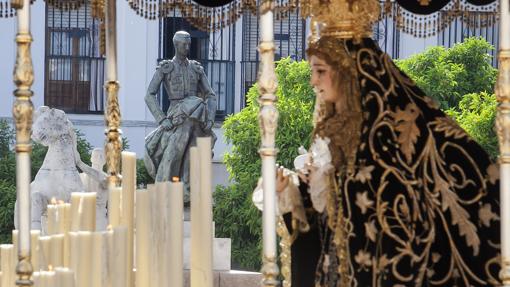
(223, 276)
(230, 279)
(221, 250)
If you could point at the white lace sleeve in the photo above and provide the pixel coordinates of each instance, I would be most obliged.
(289, 200)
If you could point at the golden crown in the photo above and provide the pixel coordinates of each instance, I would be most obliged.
(341, 18)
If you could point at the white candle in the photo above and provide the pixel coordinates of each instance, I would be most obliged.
(35, 248)
(8, 270)
(204, 150)
(83, 207)
(114, 204)
(87, 211)
(57, 250)
(110, 259)
(74, 251)
(196, 277)
(162, 239)
(98, 259)
(67, 217)
(15, 243)
(64, 277)
(49, 278)
(67, 220)
(51, 221)
(60, 218)
(143, 243)
(75, 217)
(175, 234)
(84, 268)
(154, 236)
(127, 215)
(37, 279)
(44, 251)
(119, 275)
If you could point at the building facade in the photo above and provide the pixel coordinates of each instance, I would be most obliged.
(69, 66)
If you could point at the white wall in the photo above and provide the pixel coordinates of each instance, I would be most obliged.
(409, 45)
(8, 29)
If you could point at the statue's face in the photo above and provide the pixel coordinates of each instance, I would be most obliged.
(323, 80)
(182, 47)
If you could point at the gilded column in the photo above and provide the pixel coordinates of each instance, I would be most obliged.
(22, 114)
(503, 129)
(113, 145)
(268, 120)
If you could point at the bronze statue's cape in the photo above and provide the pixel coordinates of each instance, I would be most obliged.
(421, 208)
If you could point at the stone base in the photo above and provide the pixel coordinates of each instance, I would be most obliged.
(221, 253)
(230, 278)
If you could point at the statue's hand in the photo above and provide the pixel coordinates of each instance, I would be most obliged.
(103, 184)
(281, 180)
(207, 126)
(166, 124)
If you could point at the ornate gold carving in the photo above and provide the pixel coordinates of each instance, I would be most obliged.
(22, 114)
(23, 69)
(266, 6)
(268, 121)
(270, 272)
(343, 18)
(17, 4)
(504, 274)
(285, 255)
(503, 96)
(24, 270)
(97, 10)
(113, 146)
(268, 116)
(23, 78)
(267, 77)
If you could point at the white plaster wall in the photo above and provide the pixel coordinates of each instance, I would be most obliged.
(38, 45)
(409, 45)
(8, 29)
(137, 48)
(7, 56)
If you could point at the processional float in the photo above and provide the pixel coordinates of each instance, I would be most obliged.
(214, 18)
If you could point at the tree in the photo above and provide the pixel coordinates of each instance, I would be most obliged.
(476, 114)
(449, 74)
(234, 213)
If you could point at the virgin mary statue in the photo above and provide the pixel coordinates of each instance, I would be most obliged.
(394, 192)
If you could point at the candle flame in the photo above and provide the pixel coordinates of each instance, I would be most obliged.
(175, 179)
(50, 267)
(53, 201)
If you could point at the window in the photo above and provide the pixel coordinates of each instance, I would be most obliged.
(289, 39)
(74, 67)
(214, 50)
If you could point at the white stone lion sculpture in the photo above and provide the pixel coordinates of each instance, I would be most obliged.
(58, 176)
